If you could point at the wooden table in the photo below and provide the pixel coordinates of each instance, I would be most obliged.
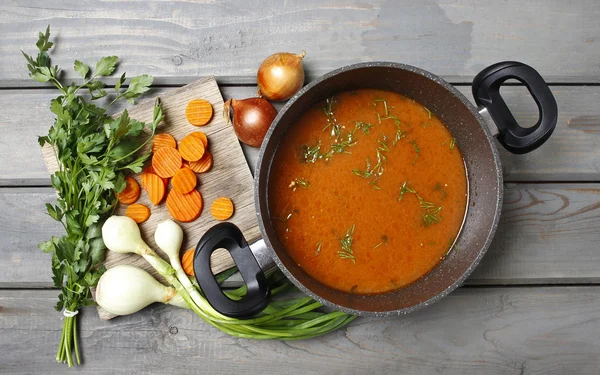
(531, 307)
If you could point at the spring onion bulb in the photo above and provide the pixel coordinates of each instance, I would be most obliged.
(169, 237)
(125, 289)
(121, 234)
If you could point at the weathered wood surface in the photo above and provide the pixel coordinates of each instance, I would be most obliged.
(549, 233)
(177, 41)
(519, 330)
(571, 154)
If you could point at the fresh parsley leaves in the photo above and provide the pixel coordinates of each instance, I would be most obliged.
(94, 151)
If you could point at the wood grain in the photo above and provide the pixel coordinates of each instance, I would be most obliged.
(549, 233)
(571, 154)
(180, 41)
(479, 331)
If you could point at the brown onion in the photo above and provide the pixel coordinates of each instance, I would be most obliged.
(281, 75)
(251, 119)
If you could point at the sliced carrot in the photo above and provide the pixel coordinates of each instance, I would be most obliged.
(138, 212)
(222, 208)
(184, 180)
(163, 140)
(202, 165)
(187, 262)
(202, 136)
(166, 161)
(184, 207)
(155, 186)
(131, 193)
(191, 148)
(149, 169)
(198, 112)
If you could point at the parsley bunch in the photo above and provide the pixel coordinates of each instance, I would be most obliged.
(94, 151)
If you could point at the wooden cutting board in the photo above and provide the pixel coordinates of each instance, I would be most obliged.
(229, 177)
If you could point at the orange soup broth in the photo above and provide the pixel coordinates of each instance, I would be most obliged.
(391, 244)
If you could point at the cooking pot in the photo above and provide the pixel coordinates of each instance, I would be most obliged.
(474, 130)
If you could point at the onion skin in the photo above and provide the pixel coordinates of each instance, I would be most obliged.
(252, 118)
(281, 75)
(125, 289)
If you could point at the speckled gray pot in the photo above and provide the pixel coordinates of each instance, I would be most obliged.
(483, 169)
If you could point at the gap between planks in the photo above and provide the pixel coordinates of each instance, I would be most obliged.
(250, 81)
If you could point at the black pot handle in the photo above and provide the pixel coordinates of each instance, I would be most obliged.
(229, 237)
(486, 90)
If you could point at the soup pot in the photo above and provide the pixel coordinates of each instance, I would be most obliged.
(474, 130)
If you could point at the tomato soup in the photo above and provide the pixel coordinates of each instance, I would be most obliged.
(368, 191)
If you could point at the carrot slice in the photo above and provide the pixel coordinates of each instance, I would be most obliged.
(149, 169)
(166, 161)
(187, 262)
(163, 140)
(191, 148)
(222, 208)
(155, 186)
(198, 112)
(184, 180)
(202, 165)
(131, 193)
(202, 136)
(184, 207)
(138, 212)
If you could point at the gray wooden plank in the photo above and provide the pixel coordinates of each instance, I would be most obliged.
(229, 39)
(571, 154)
(549, 233)
(472, 331)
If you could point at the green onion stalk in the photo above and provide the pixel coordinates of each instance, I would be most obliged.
(291, 319)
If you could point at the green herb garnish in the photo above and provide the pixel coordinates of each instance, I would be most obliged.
(431, 214)
(310, 154)
(329, 110)
(364, 126)
(392, 117)
(346, 243)
(341, 145)
(399, 134)
(452, 143)
(299, 183)
(451, 246)
(440, 188)
(378, 169)
(93, 152)
(428, 111)
(405, 189)
(319, 245)
(366, 173)
(384, 241)
(385, 106)
(417, 150)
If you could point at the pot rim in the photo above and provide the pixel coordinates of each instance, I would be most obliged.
(262, 216)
